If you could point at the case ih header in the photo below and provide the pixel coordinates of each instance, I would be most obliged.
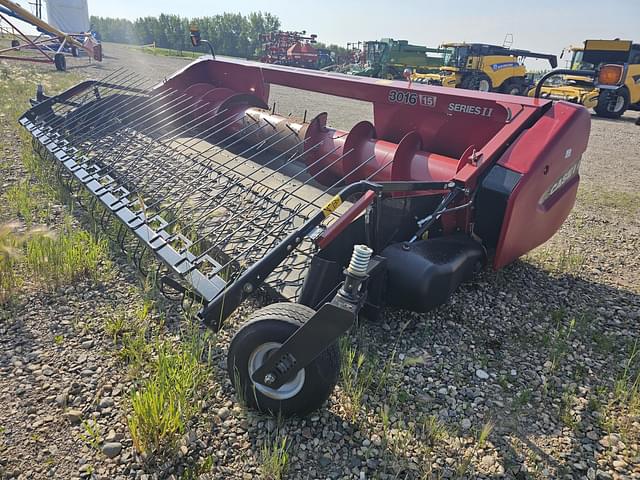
(233, 198)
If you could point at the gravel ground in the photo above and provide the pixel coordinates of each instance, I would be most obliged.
(531, 354)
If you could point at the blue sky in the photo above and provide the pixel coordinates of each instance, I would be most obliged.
(541, 25)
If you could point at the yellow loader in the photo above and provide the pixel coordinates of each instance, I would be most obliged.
(581, 89)
(484, 67)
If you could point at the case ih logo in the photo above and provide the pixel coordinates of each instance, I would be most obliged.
(560, 182)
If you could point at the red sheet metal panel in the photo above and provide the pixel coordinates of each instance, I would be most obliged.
(548, 156)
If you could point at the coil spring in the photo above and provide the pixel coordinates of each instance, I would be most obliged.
(359, 260)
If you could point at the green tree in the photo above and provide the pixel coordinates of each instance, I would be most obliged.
(230, 33)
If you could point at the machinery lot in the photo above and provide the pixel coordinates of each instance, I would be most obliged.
(528, 373)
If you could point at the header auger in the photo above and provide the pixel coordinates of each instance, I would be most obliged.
(233, 198)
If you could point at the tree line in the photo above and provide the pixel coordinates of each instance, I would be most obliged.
(230, 33)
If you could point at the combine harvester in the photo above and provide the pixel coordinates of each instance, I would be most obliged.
(484, 67)
(608, 103)
(234, 200)
(51, 45)
(388, 58)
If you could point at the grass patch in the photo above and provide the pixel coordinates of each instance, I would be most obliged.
(91, 434)
(565, 413)
(170, 52)
(621, 412)
(558, 259)
(29, 202)
(64, 257)
(10, 253)
(561, 340)
(274, 458)
(462, 468)
(172, 395)
(193, 472)
(434, 430)
(624, 202)
(357, 373)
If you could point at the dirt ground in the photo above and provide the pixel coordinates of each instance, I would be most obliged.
(530, 372)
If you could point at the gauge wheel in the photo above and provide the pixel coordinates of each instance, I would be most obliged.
(262, 334)
(60, 62)
(612, 103)
(15, 43)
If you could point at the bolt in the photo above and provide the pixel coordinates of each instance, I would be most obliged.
(269, 379)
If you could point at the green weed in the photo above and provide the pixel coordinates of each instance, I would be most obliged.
(91, 435)
(434, 430)
(274, 458)
(194, 472)
(12, 245)
(623, 407)
(171, 396)
(565, 414)
(462, 468)
(65, 257)
(135, 349)
(561, 340)
(10, 253)
(115, 326)
(357, 374)
(29, 202)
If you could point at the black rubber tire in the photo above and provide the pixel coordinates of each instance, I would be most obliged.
(276, 323)
(473, 82)
(513, 87)
(609, 97)
(60, 62)
(15, 43)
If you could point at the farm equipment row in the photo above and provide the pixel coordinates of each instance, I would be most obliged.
(294, 49)
(235, 200)
(493, 68)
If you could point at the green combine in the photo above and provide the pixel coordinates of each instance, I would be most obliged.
(387, 58)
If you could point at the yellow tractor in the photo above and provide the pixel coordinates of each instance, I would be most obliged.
(581, 89)
(483, 67)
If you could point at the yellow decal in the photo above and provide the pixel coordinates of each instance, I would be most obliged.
(383, 81)
(611, 45)
(331, 207)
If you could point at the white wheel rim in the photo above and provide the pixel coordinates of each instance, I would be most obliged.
(619, 103)
(514, 91)
(258, 358)
(483, 85)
